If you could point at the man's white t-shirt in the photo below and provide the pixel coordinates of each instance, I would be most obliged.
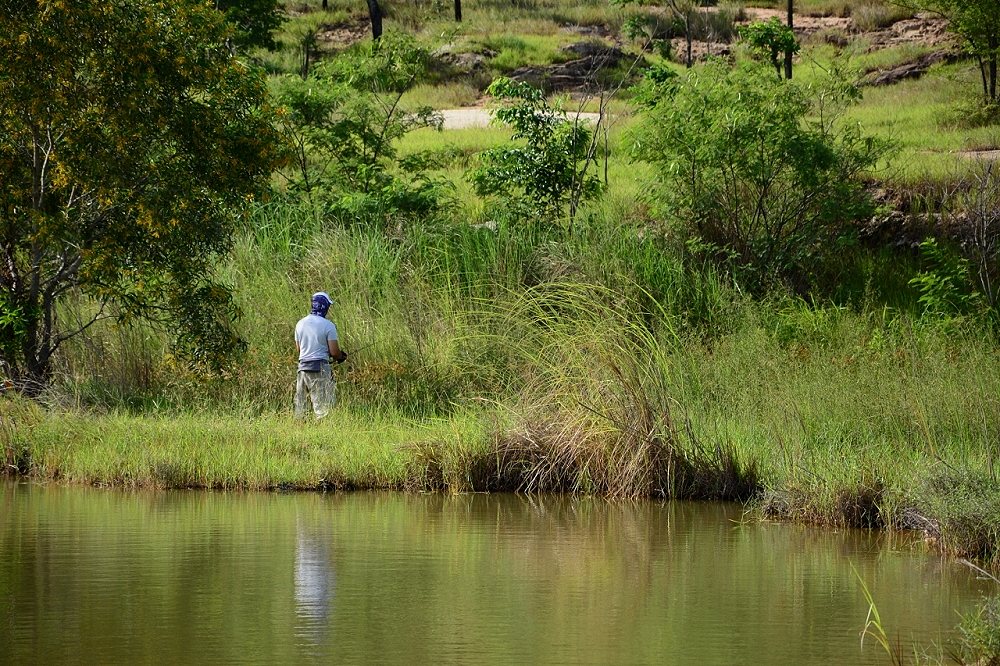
(312, 334)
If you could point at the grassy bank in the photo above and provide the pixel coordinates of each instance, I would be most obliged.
(545, 360)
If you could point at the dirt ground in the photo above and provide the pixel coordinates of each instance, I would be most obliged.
(926, 30)
(479, 117)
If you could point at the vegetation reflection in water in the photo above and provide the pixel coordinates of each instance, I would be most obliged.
(181, 576)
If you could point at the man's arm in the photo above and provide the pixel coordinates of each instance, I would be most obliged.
(335, 352)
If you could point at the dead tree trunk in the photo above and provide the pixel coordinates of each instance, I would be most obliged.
(375, 14)
(788, 52)
(993, 78)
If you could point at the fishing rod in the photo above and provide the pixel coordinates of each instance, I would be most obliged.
(347, 354)
(361, 349)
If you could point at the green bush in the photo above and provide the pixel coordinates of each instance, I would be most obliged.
(981, 634)
(761, 179)
(343, 122)
(549, 167)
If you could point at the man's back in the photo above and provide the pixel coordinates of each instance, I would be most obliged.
(312, 334)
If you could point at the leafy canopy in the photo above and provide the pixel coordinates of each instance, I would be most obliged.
(771, 39)
(977, 22)
(254, 21)
(345, 120)
(128, 136)
(548, 166)
(757, 173)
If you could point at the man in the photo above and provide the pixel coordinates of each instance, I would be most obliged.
(316, 342)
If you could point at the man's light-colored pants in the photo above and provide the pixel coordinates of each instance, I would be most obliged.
(320, 387)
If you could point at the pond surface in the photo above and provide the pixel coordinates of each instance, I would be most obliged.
(177, 577)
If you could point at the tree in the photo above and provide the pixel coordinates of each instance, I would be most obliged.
(685, 11)
(682, 12)
(551, 168)
(375, 15)
(345, 120)
(756, 172)
(128, 135)
(977, 22)
(770, 39)
(255, 21)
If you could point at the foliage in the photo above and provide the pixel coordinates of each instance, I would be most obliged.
(550, 170)
(771, 39)
(344, 120)
(981, 634)
(979, 200)
(756, 169)
(977, 22)
(944, 284)
(128, 134)
(648, 29)
(255, 21)
(684, 17)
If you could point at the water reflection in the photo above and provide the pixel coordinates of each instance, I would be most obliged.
(314, 587)
(187, 577)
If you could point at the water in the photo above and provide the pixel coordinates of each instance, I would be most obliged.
(104, 576)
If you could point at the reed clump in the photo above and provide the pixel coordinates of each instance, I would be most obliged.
(597, 411)
(960, 510)
(17, 416)
(980, 635)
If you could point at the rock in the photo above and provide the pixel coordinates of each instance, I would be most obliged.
(911, 70)
(595, 49)
(465, 63)
(578, 74)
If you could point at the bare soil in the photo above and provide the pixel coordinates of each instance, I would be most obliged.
(479, 117)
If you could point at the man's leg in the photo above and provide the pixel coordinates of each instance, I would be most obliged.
(323, 392)
(301, 388)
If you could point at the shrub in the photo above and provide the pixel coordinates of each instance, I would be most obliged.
(754, 170)
(980, 630)
(550, 170)
(344, 121)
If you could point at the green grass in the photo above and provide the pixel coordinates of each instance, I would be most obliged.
(842, 8)
(454, 95)
(234, 451)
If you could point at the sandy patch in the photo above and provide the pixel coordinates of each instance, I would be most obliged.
(478, 117)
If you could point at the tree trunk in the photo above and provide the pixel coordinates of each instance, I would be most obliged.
(326, 5)
(458, 11)
(375, 13)
(982, 75)
(788, 53)
(30, 376)
(993, 78)
(688, 37)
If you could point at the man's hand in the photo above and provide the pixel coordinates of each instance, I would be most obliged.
(343, 357)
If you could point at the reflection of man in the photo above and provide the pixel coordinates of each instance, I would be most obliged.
(316, 343)
(314, 581)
